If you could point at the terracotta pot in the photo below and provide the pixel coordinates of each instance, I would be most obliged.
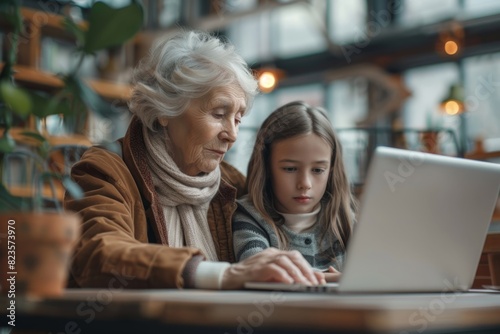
(35, 252)
(430, 141)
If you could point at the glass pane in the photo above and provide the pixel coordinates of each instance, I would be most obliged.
(113, 3)
(347, 102)
(299, 29)
(482, 98)
(58, 56)
(429, 86)
(240, 153)
(312, 94)
(481, 8)
(347, 20)
(420, 12)
(250, 36)
(235, 6)
(107, 130)
(169, 12)
(261, 108)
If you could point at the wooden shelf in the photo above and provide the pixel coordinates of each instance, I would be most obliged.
(74, 139)
(34, 79)
(37, 25)
(49, 23)
(46, 191)
(111, 91)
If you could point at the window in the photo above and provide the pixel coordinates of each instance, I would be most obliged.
(113, 3)
(299, 29)
(250, 35)
(420, 12)
(474, 8)
(347, 20)
(239, 154)
(347, 102)
(58, 56)
(429, 86)
(235, 6)
(312, 94)
(482, 98)
(169, 12)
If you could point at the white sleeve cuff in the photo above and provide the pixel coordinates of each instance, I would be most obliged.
(209, 274)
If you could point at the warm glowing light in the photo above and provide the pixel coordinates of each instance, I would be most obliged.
(267, 81)
(452, 107)
(451, 47)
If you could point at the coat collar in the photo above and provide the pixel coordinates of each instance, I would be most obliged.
(135, 157)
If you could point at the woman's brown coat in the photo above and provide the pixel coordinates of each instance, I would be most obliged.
(124, 237)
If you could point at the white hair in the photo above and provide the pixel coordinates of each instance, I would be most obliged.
(184, 68)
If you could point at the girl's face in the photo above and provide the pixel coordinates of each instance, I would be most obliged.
(300, 167)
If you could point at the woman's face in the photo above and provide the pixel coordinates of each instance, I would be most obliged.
(300, 167)
(206, 130)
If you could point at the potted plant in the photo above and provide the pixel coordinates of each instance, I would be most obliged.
(36, 239)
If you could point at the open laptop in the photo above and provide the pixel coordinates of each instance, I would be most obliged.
(423, 222)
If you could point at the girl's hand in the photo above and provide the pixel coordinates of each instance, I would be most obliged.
(332, 275)
(271, 265)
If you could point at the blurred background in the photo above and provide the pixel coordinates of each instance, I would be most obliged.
(418, 74)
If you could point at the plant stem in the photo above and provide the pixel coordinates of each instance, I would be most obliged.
(78, 64)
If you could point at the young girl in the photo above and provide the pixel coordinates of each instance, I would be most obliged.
(299, 196)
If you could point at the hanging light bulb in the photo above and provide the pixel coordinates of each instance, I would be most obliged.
(452, 107)
(453, 103)
(451, 47)
(267, 81)
(269, 78)
(451, 40)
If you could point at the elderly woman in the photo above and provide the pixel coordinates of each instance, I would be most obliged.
(158, 214)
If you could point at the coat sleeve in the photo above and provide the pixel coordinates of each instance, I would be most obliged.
(113, 250)
(249, 238)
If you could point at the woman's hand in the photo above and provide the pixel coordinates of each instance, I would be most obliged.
(332, 275)
(271, 265)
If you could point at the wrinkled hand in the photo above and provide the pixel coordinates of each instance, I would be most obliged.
(271, 265)
(332, 275)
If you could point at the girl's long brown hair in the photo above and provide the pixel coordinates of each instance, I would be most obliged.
(338, 205)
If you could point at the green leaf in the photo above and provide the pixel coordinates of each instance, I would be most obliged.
(16, 98)
(44, 150)
(7, 143)
(9, 11)
(9, 202)
(34, 135)
(73, 28)
(110, 27)
(7, 72)
(90, 98)
(49, 105)
(5, 116)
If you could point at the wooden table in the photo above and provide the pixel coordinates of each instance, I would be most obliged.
(188, 311)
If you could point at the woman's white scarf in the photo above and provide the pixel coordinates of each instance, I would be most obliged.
(185, 199)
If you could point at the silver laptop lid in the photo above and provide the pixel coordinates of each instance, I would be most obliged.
(423, 223)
